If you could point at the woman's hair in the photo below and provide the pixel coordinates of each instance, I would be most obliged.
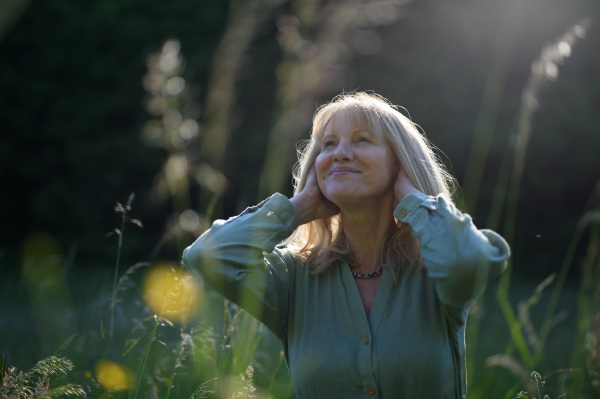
(322, 241)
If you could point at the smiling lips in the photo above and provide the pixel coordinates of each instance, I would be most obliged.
(342, 171)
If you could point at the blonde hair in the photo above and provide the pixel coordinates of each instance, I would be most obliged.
(322, 242)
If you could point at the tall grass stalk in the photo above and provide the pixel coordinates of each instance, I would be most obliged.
(586, 351)
(142, 368)
(544, 70)
(584, 222)
(274, 375)
(182, 353)
(241, 337)
(124, 211)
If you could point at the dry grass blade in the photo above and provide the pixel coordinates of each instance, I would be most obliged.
(52, 366)
(203, 390)
(65, 344)
(65, 390)
(509, 363)
(524, 308)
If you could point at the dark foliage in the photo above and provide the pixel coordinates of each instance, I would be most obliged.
(72, 112)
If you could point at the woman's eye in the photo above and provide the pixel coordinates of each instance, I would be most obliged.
(328, 144)
(363, 140)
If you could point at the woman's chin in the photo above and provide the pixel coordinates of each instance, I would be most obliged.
(343, 200)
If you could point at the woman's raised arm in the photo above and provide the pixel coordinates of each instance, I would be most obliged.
(237, 258)
(460, 258)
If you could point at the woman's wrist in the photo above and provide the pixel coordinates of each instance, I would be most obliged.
(303, 210)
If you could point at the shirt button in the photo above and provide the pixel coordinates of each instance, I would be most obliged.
(371, 391)
(402, 213)
(366, 340)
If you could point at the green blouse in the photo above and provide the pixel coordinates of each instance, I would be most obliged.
(413, 343)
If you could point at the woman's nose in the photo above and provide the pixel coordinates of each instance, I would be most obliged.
(343, 152)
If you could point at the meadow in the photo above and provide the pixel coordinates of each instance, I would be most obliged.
(152, 330)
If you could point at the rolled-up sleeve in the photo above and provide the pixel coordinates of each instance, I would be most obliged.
(459, 258)
(237, 259)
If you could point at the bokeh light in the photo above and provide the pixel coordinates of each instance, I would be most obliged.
(189, 220)
(176, 167)
(170, 60)
(172, 293)
(113, 377)
(175, 85)
(188, 129)
(211, 178)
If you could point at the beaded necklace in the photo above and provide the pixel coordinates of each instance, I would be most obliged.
(369, 275)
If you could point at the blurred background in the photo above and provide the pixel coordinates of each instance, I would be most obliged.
(197, 108)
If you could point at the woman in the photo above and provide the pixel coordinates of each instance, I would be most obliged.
(369, 293)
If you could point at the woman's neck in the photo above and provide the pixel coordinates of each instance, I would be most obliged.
(368, 231)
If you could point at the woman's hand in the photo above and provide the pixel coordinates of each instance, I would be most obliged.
(403, 186)
(310, 203)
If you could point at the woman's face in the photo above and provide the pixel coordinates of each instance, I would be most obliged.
(355, 166)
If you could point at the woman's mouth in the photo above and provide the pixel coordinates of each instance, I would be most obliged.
(342, 171)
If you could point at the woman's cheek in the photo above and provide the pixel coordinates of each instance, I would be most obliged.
(320, 168)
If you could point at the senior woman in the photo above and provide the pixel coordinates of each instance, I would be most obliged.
(367, 272)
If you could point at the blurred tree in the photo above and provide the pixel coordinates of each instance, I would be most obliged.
(72, 112)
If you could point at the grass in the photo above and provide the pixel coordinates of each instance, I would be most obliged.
(224, 352)
(220, 351)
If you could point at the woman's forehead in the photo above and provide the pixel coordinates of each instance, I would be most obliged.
(359, 118)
